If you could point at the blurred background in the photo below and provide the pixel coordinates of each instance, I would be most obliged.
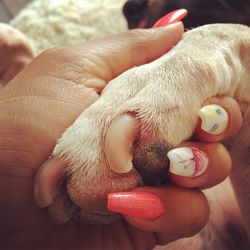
(9, 8)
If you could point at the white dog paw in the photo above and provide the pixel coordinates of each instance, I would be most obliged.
(122, 140)
(117, 144)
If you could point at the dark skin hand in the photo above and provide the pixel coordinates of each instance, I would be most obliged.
(42, 101)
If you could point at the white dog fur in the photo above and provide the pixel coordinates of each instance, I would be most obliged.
(50, 23)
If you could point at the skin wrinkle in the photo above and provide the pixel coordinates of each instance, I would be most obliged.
(86, 72)
(16, 150)
(89, 80)
(110, 62)
(18, 177)
(32, 155)
(79, 66)
(97, 83)
(12, 152)
(24, 171)
(99, 71)
(91, 95)
(104, 65)
(40, 89)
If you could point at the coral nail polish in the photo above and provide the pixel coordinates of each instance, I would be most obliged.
(142, 205)
(172, 17)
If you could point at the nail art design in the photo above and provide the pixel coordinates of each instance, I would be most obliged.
(172, 17)
(188, 162)
(142, 205)
(214, 119)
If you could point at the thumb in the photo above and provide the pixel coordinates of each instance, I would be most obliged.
(106, 58)
(95, 63)
(136, 47)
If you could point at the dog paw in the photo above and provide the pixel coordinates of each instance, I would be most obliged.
(15, 53)
(122, 140)
(118, 143)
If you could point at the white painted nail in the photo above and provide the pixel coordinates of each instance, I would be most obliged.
(214, 119)
(187, 161)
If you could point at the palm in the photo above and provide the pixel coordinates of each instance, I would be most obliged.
(22, 154)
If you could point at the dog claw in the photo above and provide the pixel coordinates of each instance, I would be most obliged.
(46, 181)
(119, 143)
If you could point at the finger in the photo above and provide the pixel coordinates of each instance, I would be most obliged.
(170, 212)
(209, 127)
(135, 48)
(97, 62)
(199, 165)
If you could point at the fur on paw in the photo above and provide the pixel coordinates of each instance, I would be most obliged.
(118, 143)
(122, 140)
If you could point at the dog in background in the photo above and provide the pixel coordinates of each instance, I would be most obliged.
(144, 13)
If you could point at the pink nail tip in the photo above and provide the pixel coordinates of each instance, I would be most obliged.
(172, 17)
(142, 205)
(201, 161)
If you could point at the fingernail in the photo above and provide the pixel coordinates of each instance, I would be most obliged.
(142, 205)
(214, 119)
(172, 17)
(187, 161)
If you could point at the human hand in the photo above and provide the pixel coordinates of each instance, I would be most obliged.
(39, 104)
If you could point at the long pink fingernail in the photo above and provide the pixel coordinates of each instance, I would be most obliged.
(172, 17)
(142, 205)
